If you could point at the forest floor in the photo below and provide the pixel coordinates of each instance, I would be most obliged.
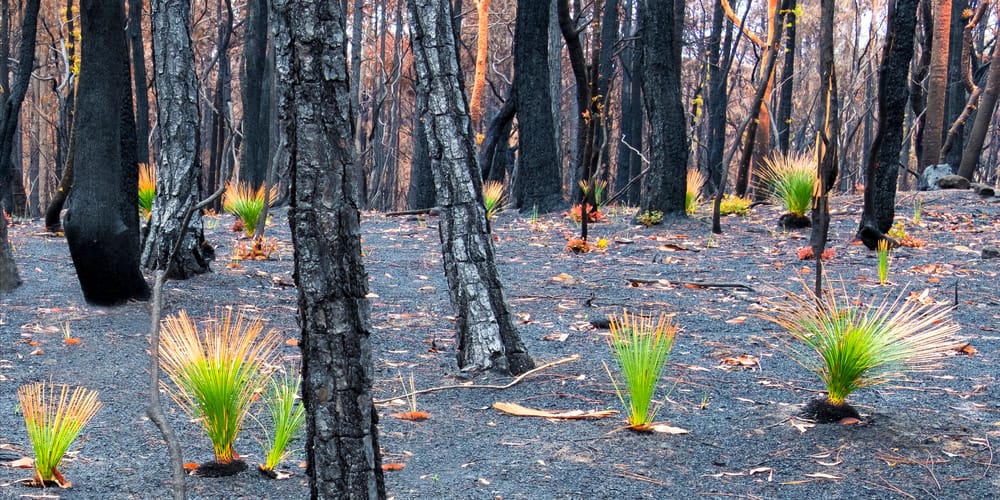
(931, 435)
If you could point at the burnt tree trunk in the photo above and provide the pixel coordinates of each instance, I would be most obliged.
(487, 338)
(661, 32)
(882, 169)
(827, 134)
(220, 104)
(256, 97)
(342, 449)
(720, 60)
(786, 85)
(538, 180)
(10, 104)
(102, 222)
(178, 168)
(937, 86)
(139, 79)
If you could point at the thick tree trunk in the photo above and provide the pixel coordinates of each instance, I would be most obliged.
(139, 79)
(421, 193)
(661, 30)
(255, 153)
(341, 435)
(538, 180)
(957, 94)
(178, 168)
(491, 158)
(10, 106)
(486, 332)
(102, 223)
(882, 169)
(937, 83)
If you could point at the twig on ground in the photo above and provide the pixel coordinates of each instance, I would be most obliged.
(512, 383)
(703, 284)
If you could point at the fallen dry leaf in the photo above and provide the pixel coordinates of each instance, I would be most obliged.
(292, 342)
(743, 361)
(413, 416)
(71, 340)
(822, 475)
(189, 466)
(801, 426)
(739, 320)
(523, 411)
(849, 421)
(668, 429)
(393, 466)
(22, 463)
(556, 337)
(966, 349)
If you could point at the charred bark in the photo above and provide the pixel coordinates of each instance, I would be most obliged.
(255, 153)
(882, 169)
(486, 332)
(538, 182)
(102, 223)
(661, 34)
(139, 79)
(178, 168)
(10, 106)
(314, 109)
(9, 278)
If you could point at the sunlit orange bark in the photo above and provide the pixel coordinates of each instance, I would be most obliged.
(482, 46)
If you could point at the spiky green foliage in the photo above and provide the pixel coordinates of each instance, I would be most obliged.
(692, 194)
(246, 203)
(147, 189)
(54, 417)
(494, 198)
(287, 417)
(882, 254)
(597, 187)
(918, 210)
(642, 348)
(217, 374)
(790, 179)
(852, 344)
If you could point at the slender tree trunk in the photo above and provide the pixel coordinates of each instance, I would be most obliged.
(220, 103)
(720, 60)
(882, 169)
(957, 93)
(139, 80)
(10, 104)
(422, 193)
(102, 223)
(177, 162)
(9, 278)
(662, 23)
(538, 181)
(486, 332)
(984, 115)
(342, 448)
(827, 134)
(937, 86)
(786, 85)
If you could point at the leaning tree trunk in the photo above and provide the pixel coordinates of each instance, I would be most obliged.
(178, 168)
(10, 104)
(662, 29)
(102, 222)
(486, 332)
(882, 169)
(314, 109)
(987, 105)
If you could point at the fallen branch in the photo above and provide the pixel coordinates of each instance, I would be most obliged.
(420, 211)
(512, 383)
(703, 284)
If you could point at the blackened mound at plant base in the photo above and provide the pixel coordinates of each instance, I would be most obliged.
(825, 412)
(106, 261)
(220, 469)
(792, 221)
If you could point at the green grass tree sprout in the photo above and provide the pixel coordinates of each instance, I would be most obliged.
(642, 348)
(54, 417)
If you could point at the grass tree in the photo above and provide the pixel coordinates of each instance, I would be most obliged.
(791, 179)
(287, 418)
(54, 417)
(850, 344)
(246, 203)
(642, 348)
(217, 374)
